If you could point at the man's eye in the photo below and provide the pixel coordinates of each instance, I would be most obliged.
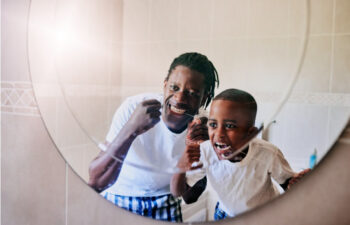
(193, 94)
(213, 125)
(174, 88)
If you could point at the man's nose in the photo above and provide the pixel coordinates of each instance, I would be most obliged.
(180, 97)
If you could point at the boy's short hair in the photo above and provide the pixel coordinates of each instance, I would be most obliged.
(200, 63)
(240, 96)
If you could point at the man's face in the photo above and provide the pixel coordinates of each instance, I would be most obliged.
(183, 95)
(229, 128)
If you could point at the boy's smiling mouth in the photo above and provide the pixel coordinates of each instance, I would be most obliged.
(224, 150)
(222, 146)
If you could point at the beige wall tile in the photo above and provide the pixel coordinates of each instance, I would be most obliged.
(85, 65)
(267, 65)
(135, 54)
(230, 57)
(48, 110)
(85, 206)
(136, 20)
(164, 20)
(342, 16)
(321, 16)
(341, 72)
(268, 17)
(194, 19)
(114, 69)
(321, 20)
(316, 70)
(79, 158)
(113, 103)
(161, 56)
(69, 131)
(13, 40)
(91, 113)
(128, 91)
(200, 46)
(33, 174)
(230, 18)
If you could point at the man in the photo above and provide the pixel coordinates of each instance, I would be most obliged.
(150, 141)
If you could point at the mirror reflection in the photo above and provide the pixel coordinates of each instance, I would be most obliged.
(130, 96)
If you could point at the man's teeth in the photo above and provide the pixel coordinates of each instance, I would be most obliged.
(177, 110)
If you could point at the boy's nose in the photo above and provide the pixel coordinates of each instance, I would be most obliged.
(220, 132)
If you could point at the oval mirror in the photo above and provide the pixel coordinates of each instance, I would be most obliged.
(87, 58)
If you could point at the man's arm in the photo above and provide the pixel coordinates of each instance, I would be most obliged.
(105, 168)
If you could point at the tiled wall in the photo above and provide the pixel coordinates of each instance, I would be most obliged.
(248, 46)
(255, 46)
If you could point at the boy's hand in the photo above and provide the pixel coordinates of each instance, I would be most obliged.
(197, 131)
(297, 177)
(191, 155)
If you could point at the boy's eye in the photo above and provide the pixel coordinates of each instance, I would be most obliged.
(230, 126)
(212, 124)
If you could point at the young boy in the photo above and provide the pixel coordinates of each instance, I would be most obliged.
(241, 180)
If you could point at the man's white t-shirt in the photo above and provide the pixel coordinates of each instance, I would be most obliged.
(246, 184)
(155, 153)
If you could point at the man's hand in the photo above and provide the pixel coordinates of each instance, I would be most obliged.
(295, 179)
(192, 154)
(197, 131)
(145, 116)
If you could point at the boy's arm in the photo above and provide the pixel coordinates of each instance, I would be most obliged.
(179, 187)
(193, 193)
(285, 184)
(296, 178)
(178, 184)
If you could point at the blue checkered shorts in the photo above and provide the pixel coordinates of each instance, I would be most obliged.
(219, 214)
(164, 207)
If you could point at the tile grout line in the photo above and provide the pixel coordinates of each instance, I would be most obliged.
(332, 49)
(66, 196)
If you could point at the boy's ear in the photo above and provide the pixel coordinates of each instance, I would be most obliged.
(252, 131)
(165, 83)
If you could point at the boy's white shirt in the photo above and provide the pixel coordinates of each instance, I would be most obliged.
(244, 185)
(157, 151)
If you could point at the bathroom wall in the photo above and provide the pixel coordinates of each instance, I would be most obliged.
(255, 46)
(242, 40)
(37, 186)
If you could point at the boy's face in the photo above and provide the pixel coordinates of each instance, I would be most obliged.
(183, 95)
(229, 127)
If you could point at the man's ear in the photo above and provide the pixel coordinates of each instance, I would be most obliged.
(205, 96)
(165, 83)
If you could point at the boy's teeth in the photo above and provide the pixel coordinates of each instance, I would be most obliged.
(222, 146)
(177, 110)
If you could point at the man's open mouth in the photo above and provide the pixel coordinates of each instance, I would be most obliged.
(177, 110)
